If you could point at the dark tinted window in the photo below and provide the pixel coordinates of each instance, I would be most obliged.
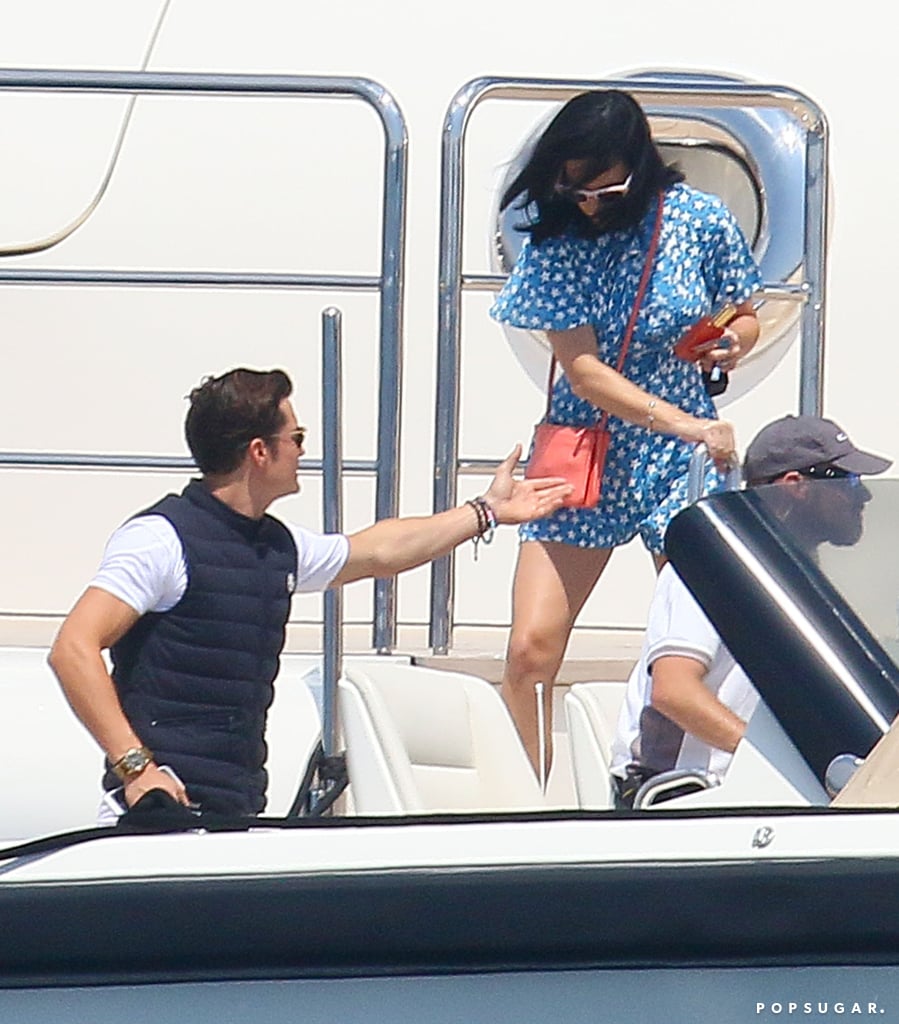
(851, 531)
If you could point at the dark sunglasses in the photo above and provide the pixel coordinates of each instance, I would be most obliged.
(826, 471)
(298, 436)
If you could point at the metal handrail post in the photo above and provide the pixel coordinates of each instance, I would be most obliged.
(391, 364)
(332, 518)
(451, 283)
(446, 416)
(811, 358)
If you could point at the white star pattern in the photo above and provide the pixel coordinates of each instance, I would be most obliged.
(703, 261)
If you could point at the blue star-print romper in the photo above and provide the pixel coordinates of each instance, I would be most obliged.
(702, 261)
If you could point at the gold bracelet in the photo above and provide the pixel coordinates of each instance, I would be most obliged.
(650, 415)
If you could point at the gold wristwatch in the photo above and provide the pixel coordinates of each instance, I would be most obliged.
(132, 763)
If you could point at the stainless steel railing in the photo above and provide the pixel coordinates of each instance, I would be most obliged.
(389, 283)
(453, 281)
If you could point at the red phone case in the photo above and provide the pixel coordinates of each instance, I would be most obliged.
(690, 346)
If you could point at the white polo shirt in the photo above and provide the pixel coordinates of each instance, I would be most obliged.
(678, 626)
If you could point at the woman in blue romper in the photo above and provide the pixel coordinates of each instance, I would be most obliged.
(594, 179)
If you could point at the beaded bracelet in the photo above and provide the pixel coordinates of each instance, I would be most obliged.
(479, 512)
(486, 522)
(650, 415)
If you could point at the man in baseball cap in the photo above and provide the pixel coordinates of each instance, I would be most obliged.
(810, 446)
(797, 449)
(687, 701)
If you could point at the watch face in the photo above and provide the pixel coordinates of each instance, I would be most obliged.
(133, 762)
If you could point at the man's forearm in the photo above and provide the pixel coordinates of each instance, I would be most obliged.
(95, 624)
(81, 671)
(679, 693)
(393, 545)
(92, 696)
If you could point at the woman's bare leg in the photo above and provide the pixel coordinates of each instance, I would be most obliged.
(552, 582)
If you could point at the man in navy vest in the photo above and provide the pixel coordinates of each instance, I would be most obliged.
(193, 595)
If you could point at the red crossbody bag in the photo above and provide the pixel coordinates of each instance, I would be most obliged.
(579, 453)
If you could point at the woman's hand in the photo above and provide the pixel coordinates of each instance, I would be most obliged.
(725, 354)
(737, 341)
(719, 438)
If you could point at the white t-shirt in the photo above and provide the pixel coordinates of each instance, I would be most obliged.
(143, 564)
(677, 626)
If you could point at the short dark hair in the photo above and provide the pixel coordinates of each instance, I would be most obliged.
(603, 128)
(227, 412)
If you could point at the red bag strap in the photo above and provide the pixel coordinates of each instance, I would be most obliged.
(638, 301)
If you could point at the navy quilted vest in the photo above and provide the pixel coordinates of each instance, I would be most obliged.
(196, 682)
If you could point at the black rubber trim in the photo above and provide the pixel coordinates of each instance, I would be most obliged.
(763, 913)
(821, 715)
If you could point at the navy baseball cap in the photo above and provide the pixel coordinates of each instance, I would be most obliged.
(800, 442)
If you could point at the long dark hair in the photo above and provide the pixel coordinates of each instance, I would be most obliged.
(600, 128)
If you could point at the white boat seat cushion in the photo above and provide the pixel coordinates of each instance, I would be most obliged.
(591, 712)
(293, 729)
(424, 740)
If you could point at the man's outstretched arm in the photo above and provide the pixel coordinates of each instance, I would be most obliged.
(394, 545)
(96, 622)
